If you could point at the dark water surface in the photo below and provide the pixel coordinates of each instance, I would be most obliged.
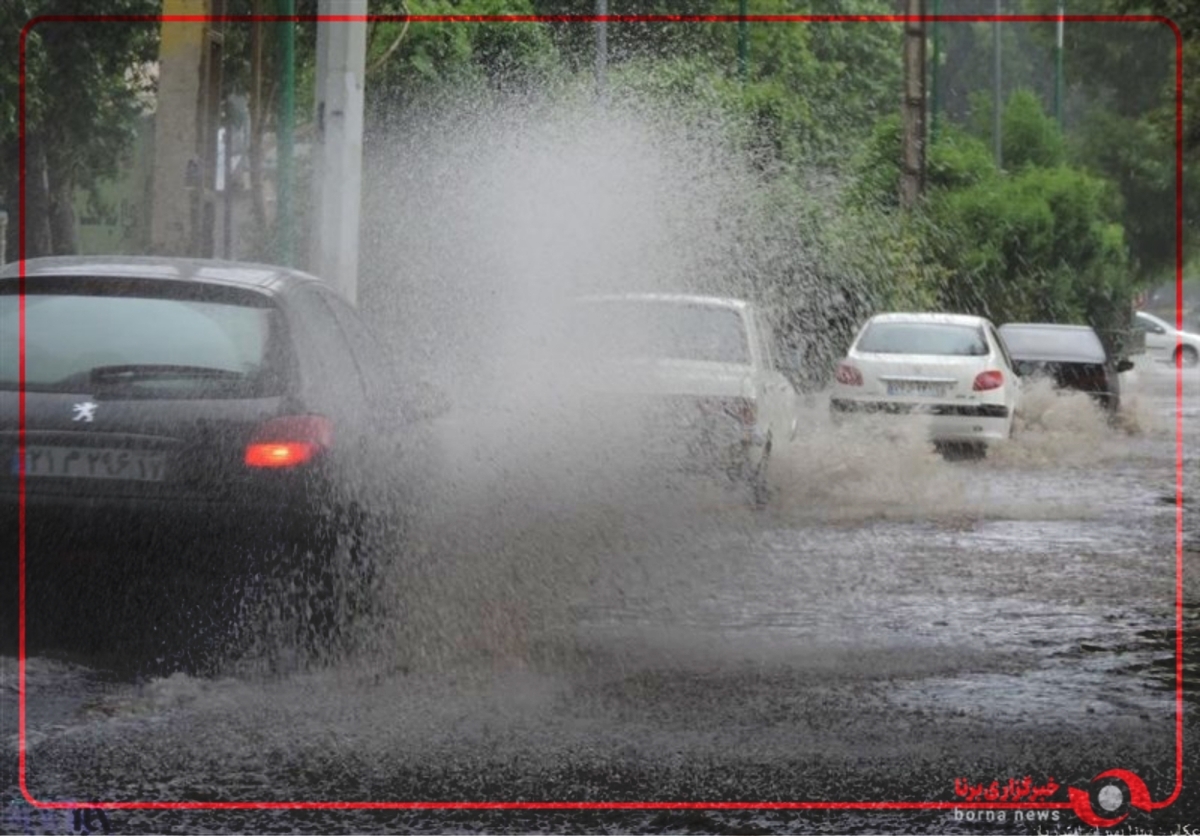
(892, 623)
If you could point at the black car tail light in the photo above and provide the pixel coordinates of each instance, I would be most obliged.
(289, 441)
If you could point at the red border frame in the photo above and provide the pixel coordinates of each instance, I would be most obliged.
(591, 805)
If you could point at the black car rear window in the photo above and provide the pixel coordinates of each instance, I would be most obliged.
(928, 338)
(1034, 343)
(155, 346)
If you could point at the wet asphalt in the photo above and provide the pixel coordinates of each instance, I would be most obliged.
(893, 628)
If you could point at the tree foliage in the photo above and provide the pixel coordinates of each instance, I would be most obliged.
(1040, 241)
(85, 90)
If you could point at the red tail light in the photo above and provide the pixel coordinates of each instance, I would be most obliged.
(991, 379)
(289, 441)
(848, 375)
(743, 409)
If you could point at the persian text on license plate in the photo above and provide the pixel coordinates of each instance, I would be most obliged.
(920, 389)
(93, 463)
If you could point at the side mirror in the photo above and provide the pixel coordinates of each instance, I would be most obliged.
(1124, 366)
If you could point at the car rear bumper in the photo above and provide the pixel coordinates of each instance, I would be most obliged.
(944, 422)
(735, 454)
(67, 530)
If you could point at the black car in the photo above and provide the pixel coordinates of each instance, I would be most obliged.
(1073, 356)
(189, 418)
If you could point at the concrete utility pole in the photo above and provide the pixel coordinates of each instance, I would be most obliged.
(285, 128)
(181, 152)
(912, 175)
(337, 154)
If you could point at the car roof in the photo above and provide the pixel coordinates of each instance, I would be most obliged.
(269, 278)
(1153, 318)
(1047, 326)
(930, 318)
(680, 298)
(1078, 343)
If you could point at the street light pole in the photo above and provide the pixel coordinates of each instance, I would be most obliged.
(743, 39)
(1058, 67)
(996, 89)
(601, 29)
(933, 74)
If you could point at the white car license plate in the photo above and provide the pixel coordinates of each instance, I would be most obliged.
(916, 388)
(93, 463)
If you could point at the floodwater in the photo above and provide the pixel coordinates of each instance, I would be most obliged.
(891, 623)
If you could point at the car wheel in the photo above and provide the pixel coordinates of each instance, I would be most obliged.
(345, 581)
(953, 451)
(1188, 356)
(322, 591)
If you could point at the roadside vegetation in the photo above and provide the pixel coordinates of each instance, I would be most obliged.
(1076, 220)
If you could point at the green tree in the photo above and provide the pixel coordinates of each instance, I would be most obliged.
(812, 91)
(1041, 240)
(86, 86)
(411, 63)
(1044, 244)
(1028, 136)
(1120, 113)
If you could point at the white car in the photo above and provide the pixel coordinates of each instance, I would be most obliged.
(1165, 343)
(704, 371)
(952, 371)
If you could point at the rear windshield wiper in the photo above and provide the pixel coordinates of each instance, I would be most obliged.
(132, 372)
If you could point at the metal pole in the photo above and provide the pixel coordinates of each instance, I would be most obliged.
(997, 106)
(1058, 67)
(601, 29)
(285, 129)
(933, 74)
(743, 39)
(225, 161)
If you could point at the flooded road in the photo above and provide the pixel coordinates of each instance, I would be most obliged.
(893, 622)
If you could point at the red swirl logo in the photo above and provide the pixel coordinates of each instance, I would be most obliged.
(1111, 798)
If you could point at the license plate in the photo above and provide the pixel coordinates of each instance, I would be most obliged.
(93, 463)
(916, 388)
